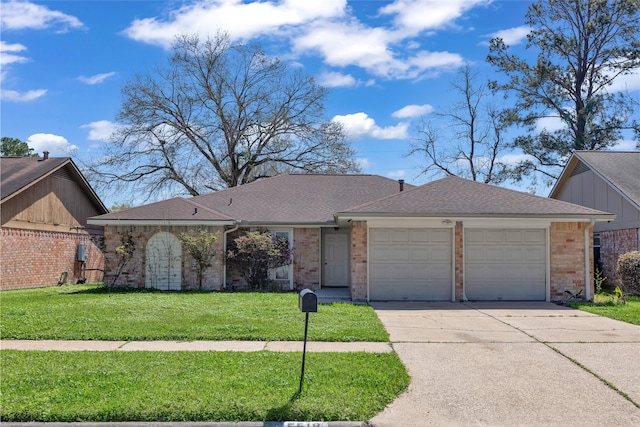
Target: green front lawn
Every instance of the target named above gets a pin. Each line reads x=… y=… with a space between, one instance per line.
x=81 y=312
x=196 y=386
x=605 y=305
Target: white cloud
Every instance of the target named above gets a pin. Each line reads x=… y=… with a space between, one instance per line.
x=360 y=125
x=241 y=20
x=363 y=163
x=550 y=124
x=628 y=82
x=342 y=44
x=334 y=79
x=625 y=145
x=415 y=16
x=321 y=27
x=514 y=159
x=396 y=174
x=512 y=36
x=101 y=130
x=18 y=15
x=30 y=95
x=97 y=78
x=54 y=144
x=411 y=111
x=8 y=53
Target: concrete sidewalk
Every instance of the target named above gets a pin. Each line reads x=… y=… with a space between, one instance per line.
x=282 y=346
x=507 y=364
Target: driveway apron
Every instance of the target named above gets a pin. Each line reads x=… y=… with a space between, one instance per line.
x=512 y=364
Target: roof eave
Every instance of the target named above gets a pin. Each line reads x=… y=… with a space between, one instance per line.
x=557 y=217
x=164 y=222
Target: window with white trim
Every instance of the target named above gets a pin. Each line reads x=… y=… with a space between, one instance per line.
x=283 y=273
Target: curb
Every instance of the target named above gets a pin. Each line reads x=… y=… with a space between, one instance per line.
x=190 y=424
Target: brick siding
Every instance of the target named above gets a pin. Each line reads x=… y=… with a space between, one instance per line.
x=133 y=272
x=33 y=258
x=359 y=260
x=567 y=259
x=612 y=245
x=306 y=258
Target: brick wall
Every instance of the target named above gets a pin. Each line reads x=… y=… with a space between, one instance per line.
x=33 y=258
x=359 y=260
x=132 y=273
x=612 y=245
x=566 y=244
x=306 y=258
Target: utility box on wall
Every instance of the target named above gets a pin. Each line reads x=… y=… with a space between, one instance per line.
x=81 y=253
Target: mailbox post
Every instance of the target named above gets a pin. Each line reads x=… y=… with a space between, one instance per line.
x=308 y=303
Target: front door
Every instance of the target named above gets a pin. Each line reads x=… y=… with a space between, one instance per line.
x=336 y=260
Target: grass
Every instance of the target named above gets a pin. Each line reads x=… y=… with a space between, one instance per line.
x=607 y=305
x=89 y=312
x=196 y=386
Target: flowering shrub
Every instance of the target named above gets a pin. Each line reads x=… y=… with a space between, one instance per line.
x=255 y=253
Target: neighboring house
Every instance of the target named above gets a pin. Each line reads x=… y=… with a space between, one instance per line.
x=45 y=238
x=447 y=240
x=607 y=181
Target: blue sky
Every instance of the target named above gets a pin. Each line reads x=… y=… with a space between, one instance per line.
x=389 y=64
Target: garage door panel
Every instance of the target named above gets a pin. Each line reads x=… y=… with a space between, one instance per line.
x=400 y=236
x=410 y=264
x=505 y=264
x=377 y=235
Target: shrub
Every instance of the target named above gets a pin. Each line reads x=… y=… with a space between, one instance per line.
x=255 y=254
x=201 y=246
x=628 y=270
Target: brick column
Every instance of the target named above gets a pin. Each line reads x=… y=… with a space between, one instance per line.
x=359 y=261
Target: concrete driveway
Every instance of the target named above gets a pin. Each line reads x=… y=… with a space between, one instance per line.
x=512 y=364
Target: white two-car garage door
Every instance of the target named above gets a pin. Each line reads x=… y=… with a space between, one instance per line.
x=505 y=264
x=410 y=264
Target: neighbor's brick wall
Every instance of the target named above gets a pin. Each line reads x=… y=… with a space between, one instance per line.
x=612 y=245
x=306 y=258
x=33 y=258
x=567 y=258
x=133 y=273
x=359 y=260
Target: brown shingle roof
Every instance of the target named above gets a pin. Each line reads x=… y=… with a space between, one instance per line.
x=283 y=199
x=19 y=173
x=298 y=199
x=176 y=209
x=461 y=197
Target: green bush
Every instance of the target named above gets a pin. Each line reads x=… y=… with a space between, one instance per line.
x=628 y=270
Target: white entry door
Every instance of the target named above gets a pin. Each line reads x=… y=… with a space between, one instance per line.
x=164 y=262
x=336 y=260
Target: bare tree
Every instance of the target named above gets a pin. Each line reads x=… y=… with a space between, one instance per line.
x=466 y=140
x=582 y=47
x=219 y=115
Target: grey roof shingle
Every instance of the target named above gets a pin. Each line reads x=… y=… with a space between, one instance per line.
x=620 y=168
x=283 y=199
x=461 y=197
x=176 y=209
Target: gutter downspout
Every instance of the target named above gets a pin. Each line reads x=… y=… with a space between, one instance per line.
x=224 y=256
x=587 y=263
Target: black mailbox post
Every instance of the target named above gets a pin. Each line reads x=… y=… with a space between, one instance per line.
x=308 y=303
